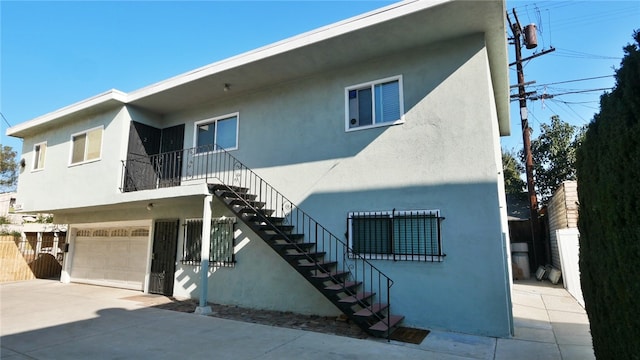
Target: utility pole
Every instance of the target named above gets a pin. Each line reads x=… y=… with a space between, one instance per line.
x=516 y=30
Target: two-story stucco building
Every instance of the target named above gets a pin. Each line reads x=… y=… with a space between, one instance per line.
x=355 y=168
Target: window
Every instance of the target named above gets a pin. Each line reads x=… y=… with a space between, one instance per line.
x=221 y=249
x=83 y=233
x=39 y=151
x=86 y=146
x=101 y=233
x=374 y=104
x=396 y=235
x=213 y=134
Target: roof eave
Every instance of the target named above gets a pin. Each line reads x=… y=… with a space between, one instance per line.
x=495 y=41
x=105 y=99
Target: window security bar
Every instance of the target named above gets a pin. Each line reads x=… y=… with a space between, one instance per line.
x=397 y=235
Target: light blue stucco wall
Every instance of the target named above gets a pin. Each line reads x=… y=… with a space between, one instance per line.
x=445 y=156
x=93 y=182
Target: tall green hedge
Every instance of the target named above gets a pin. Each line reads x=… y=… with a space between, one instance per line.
x=608 y=168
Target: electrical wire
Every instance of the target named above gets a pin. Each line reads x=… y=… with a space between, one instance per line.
x=572 y=110
x=5 y=119
x=581 y=55
x=576 y=80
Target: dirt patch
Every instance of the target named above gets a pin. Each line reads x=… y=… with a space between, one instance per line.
x=323 y=324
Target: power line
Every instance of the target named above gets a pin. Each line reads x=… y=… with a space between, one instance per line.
x=5 y=119
x=572 y=110
x=576 y=80
x=550 y=96
x=582 y=55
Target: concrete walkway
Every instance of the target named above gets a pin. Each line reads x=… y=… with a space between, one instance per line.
x=549 y=324
x=44 y=319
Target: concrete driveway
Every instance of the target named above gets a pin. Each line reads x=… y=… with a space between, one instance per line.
x=45 y=319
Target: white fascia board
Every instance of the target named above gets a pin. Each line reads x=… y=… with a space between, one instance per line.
x=314 y=36
x=105 y=97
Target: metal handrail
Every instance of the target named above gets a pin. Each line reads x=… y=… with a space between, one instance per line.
x=211 y=162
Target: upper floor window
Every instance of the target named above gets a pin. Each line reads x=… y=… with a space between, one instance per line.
x=375 y=103
x=86 y=146
x=396 y=235
x=216 y=133
x=39 y=151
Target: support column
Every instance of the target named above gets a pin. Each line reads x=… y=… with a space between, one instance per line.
x=203 y=308
x=65 y=275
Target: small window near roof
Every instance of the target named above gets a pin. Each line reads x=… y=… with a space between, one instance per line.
x=373 y=104
x=86 y=146
x=39 y=151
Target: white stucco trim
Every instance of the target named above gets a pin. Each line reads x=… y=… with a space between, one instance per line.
x=107 y=98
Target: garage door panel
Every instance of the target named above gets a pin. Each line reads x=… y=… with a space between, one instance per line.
x=117 y=261
x=139 y=247
x=119 y=246
x=115 y=275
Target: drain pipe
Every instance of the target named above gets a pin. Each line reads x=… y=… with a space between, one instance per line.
x=204 y=308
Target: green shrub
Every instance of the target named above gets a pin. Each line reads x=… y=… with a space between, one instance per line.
x=608 y=170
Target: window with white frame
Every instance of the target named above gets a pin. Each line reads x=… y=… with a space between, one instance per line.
x=376 y=103
x=217 y=133
x=396 y=235
x=39 y=152
x=221 y=252
x=86 y=146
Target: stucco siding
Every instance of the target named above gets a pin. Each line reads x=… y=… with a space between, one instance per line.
x=443 y=157
x=89 y=183
x=290 y=101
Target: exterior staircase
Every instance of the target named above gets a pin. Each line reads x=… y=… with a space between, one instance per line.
x=352 y=283
x=349 y=281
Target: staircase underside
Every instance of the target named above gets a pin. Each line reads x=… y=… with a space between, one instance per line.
x=337 y=285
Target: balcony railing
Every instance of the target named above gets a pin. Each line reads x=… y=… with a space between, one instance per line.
x=144 y=172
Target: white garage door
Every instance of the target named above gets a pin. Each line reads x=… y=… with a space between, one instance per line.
x=111 y=256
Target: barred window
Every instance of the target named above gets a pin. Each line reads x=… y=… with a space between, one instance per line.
x=222 y=242
x=396 y=235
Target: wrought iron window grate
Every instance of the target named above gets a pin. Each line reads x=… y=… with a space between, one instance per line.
x=221 y=252
x=396 y=235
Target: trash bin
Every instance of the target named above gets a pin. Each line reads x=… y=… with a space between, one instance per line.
x=520 y=260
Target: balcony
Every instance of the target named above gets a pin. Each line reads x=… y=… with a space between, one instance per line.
x=143 y=172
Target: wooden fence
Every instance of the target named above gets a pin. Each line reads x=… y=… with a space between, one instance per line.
x=31 y=257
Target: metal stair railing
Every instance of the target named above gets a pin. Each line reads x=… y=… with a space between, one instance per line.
x=213 y=163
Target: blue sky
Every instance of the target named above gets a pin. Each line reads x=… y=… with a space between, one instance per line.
x=53 y=54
